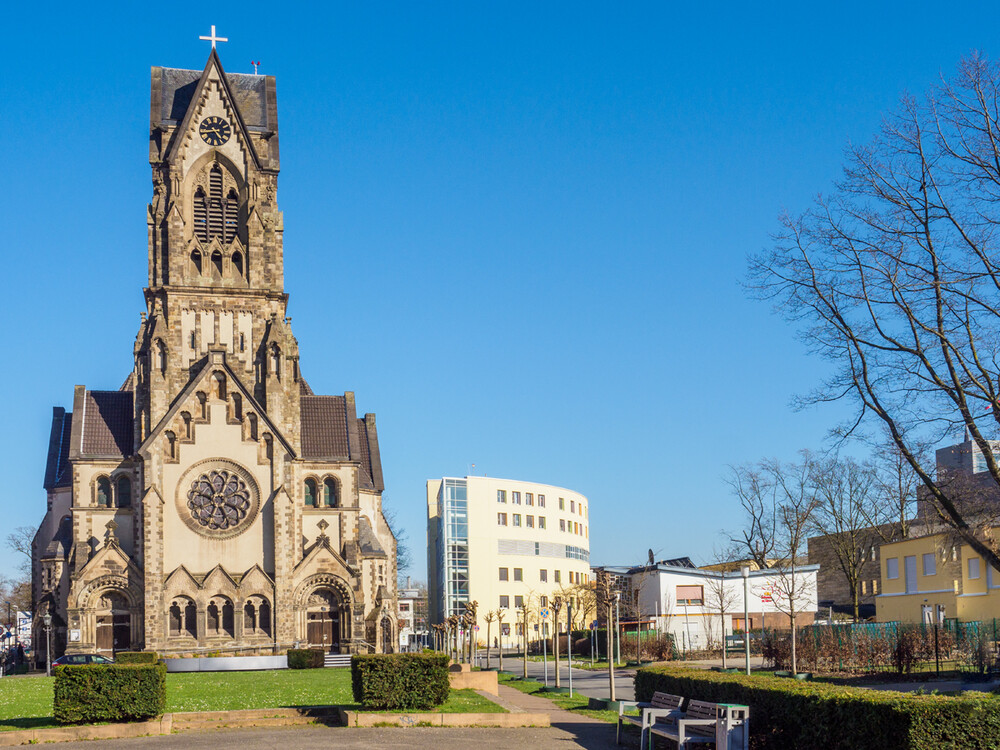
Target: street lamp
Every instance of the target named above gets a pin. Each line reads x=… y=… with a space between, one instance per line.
x=745 y=571
x=618 y=625
x=47 y=621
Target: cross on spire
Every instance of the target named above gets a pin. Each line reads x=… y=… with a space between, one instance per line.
x=213 y=38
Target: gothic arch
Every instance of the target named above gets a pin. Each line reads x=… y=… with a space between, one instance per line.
x=323 y=580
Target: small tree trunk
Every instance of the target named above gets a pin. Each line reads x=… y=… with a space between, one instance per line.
x=611 y=657
x=795 y=664
x=489 y=624
x=725 y=664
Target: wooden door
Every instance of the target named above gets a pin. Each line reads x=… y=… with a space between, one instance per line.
x=122 y=630
x=323 y=631
x=105 y=635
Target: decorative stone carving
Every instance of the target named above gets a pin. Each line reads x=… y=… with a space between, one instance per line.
x=218 y=498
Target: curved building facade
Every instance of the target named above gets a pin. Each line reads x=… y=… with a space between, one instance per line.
x=503 y=543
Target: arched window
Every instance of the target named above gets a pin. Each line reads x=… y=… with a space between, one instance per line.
x=310 y=493
x=200 y=217
x=264 y=617
x=161 y=356
x=176 y=619
x=212 y=619
x=190 y=620
x=103 y=492
x=228 y=619
x=196 y=260
x=276 y=360
x=124 y=492
x=215 y=216
x=238 y=263
x=252 y=423
x=171 y=444
x=237 y=407
x=186 y=419
x=219 y=385
x=231 y=208
x=217 y=262
x=331 y=497
x=249 y=618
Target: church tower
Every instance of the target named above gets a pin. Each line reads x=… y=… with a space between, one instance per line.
x=214 y=502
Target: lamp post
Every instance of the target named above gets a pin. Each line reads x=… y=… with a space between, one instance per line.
x=569 y=643
x=745 y=571
x=556 y=606
x=47 y=621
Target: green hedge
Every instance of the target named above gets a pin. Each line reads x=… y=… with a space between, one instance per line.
x=137 y=657
x=305 y=658
x=400 y=681
x=788 y=713
x=90 y=693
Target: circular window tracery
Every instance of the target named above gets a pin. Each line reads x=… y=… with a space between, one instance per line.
x=219 y=500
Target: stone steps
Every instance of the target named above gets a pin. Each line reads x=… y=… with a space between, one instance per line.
x=337 y=660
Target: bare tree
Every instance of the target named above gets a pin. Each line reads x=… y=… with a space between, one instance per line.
x=19 y=540
x=757 y=493
x=897 y=484
x=783 y=493
x=721 y=598
x=895 y=279
x=850 y=514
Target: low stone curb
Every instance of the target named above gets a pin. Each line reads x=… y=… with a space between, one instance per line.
x=509 y=721
x=88 y=732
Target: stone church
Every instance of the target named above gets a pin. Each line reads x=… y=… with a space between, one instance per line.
x=214 y=502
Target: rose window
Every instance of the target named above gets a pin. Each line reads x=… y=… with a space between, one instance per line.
x=219 y=499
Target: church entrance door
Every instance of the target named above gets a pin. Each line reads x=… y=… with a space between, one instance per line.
x=114 y=625
x=324 y=630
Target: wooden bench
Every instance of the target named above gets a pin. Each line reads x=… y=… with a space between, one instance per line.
x=663 y=706
x=698 y=725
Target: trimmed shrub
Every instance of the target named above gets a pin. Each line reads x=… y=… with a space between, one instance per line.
x=400 y=681
x=820 y=716
x=305 y=658
x=137 y=657
x=89 y=693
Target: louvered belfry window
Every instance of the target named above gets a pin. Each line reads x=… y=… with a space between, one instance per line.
x=201 y=215
x=230 y=208
x=215 y=218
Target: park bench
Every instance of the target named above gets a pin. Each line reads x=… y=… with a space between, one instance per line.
x=706 y=723
x=663 y=706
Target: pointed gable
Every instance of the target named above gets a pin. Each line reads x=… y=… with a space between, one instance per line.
x=58 y=454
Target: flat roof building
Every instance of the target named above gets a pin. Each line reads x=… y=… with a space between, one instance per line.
x=503 y=543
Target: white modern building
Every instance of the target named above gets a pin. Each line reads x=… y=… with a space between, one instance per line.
x=413 y=628
x=503 y=543
x=689 y=602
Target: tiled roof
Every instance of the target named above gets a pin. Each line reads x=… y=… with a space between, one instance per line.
x=107 y=424
x=365 y=478
x=324 y=428
x=178 y=86
x=58 y=456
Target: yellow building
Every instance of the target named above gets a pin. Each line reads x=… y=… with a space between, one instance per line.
x=936 y=574
x=501 y=543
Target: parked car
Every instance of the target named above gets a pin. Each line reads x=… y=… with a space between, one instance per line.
x=81 y=659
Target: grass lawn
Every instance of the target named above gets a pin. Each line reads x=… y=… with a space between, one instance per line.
x=26 y=702
x=576 y=703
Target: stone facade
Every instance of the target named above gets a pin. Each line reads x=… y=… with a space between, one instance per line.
x=214 y=502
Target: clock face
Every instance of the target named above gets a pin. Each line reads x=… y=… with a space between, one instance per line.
x=214 y=131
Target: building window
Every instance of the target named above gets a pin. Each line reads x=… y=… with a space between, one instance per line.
x=874 y=587
x=541 y=522
x=501 y=519
x=501 y=496
x=543 y=601
x=517 y=519
x=541 y=501
x=518 y=601
x=515 y=497
x=690 y=595
x=973 y=567
x=864 y=588
x=530 y=521
x=562 y=504
x=930 y=564
x=892 y=568
x=310 y=493
x=103 y=492
x=543 y=576
x=558 y=576
x=504 y=602
x=954 y=553
x=529 y=499
x=331 y=497
x=562 y=524
x=124 y=492
x=504 y=574
x=576 y=527
x=518 y=574
x=572 y=506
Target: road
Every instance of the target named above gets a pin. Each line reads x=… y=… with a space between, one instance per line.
x=585 y=682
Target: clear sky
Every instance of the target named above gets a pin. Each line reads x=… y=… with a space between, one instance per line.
x=515 y=230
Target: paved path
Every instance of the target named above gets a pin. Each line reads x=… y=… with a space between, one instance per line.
x=585 y=682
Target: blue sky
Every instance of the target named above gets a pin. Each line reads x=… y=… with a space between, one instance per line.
x=515 y=230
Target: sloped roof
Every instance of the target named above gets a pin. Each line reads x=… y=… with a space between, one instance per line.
x=62 y=541
x=178 y=86
x=58 y=455
x=367 y=540
x=324 y=428
x=107 y=424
